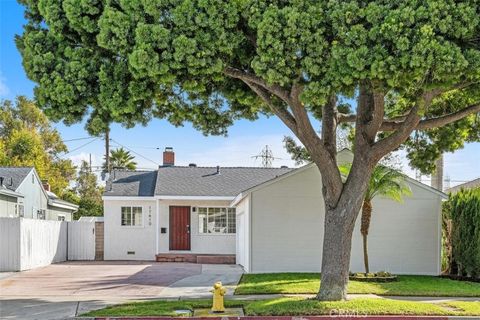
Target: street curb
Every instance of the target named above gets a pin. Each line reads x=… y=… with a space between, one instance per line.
x=343 y=317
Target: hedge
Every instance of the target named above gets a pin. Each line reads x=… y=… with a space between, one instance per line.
x=464 y=212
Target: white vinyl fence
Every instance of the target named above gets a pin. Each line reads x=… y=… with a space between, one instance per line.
x=81 y=240
x=31 y=243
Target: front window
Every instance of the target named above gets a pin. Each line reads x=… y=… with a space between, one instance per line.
x=132 y=216
x=19 y=210
x=216 y=220
x=41 y=214
x=61 y=218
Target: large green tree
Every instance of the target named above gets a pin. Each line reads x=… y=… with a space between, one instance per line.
x=413 y=67
x=87 y=193
x=28 y=139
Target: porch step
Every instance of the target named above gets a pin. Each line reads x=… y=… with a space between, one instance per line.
x=216 y=259
x=196 y=258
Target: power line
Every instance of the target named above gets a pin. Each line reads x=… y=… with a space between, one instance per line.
x=76 y=139
x=138 y=154
x=144 y=147
x=83 y=145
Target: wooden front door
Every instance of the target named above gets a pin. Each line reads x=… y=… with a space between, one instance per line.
x=179 y=228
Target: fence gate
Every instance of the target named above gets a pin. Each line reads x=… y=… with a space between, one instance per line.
x=99 y=238
x=81 y=240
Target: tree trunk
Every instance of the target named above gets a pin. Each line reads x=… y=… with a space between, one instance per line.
x=337 y=244
x=365 y=253
x=366 y=217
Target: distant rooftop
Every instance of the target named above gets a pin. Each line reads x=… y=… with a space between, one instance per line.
x=14 y=176
x=467 y=185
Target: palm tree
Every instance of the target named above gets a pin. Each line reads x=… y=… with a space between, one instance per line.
x=121 y=159
x=385 y=182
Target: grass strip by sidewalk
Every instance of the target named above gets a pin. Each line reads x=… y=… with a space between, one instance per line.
x=308 y=283
x=296 y=307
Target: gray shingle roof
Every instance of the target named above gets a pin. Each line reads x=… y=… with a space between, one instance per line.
x=14 y=176
x=189 y=181
x=204 y=181
x=131 y=183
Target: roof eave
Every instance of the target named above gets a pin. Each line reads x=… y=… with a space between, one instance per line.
x=62 y=204
x=11 y=193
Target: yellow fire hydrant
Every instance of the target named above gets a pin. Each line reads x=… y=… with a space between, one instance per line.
x=218 y=293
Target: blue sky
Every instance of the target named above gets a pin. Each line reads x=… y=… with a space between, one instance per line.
x=245 y=138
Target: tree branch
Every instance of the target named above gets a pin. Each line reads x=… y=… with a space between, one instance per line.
x=394 y=123
x=281 y=112
x=331 y=177
x=329 y=126
x=431 y=123
x=251 y=78
x=394 y=140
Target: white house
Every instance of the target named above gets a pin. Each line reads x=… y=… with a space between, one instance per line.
x=22 y=194
x=265 y=219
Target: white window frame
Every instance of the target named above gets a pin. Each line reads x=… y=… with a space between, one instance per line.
x=201 y=233
x=19 y=210
x=131 y=212
x=41 y=212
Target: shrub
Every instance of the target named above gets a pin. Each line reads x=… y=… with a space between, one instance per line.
x=464 y=212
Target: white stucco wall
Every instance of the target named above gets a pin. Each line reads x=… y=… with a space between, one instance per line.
x=287 y=229
x=200 y=243
x=119 y=240
x=243 y=234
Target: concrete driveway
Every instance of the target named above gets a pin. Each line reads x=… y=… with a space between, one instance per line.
x=63 y=290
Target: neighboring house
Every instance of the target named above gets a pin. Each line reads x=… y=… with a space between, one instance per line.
x=467 y=185
x=265 y=219
x=22 y=194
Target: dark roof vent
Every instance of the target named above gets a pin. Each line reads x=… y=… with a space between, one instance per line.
x=192 y=165
x=284 y=167
x=218 y=170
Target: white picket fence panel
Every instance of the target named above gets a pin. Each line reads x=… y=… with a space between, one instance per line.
x=31 y=243
x=81 y=240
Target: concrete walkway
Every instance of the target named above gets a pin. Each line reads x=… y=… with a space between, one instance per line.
x=199 y=286
x=64 y=290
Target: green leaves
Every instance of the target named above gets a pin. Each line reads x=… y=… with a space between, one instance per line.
x=124 y=61
x=464 y=210
x=27 y=139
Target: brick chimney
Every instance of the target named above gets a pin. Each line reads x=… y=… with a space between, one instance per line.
x=46 y=185
x=168 y=157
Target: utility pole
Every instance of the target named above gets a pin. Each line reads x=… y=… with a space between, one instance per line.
x=267 y=157
x=107 y=150
x=437 y=177
x=90 y=162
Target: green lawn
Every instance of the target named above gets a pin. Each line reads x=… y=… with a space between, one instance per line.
x=291 y=283
x=296 y=307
